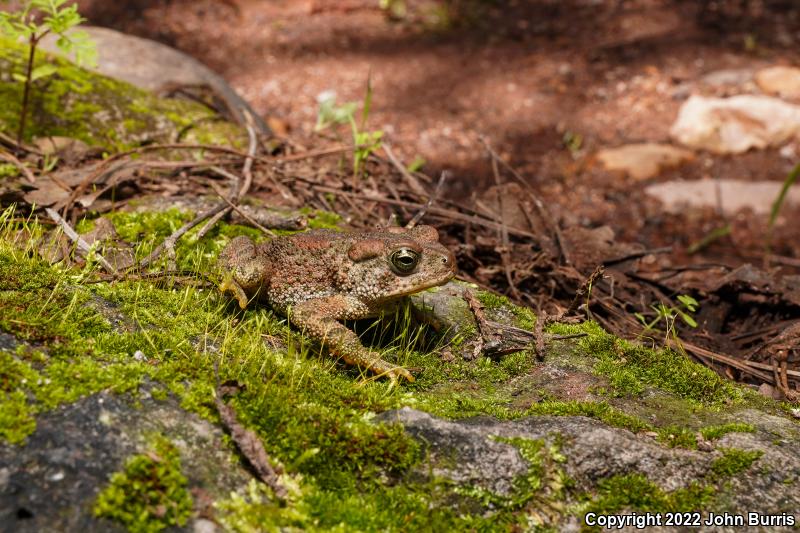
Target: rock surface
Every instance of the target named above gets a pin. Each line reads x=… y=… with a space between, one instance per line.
x=643 y=161
x=157 y=67
x=467 y=452
x=779 y=80
x=730 y=195
x=50 y=483
x=100 y=111
x=736 y=124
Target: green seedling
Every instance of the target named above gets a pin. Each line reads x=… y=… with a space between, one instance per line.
x=777 y=205
x=668 y=314
x=365 y=142
x=31 y=23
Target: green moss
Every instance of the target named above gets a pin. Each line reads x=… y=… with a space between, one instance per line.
x=493 y=302
x=734 y=461
x=677 y=437
x=101 y=111
x=599 y=410
x=631 y=368
x=150 y=494
x=634 y=492
x=716 y=432
x=540 y=493
x=322 y=219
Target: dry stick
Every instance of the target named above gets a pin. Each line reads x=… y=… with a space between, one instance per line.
x=421 y=213
x=637 y=255
x=169 y=242
x=247 y=440
x=237 y=195
x=582 y=291
x=483 y=325
x=764 y=366
x=100 y=170
x=311 y=154
x=79 y=242
x=446 y=213
x=730 y=361
x=412 y=181
x=133 y=166
x=8 y=141
x=785 y=261
x=17 y=163
x=244 y=215
x=504 y=242
x=538 y=332
x=540 y=208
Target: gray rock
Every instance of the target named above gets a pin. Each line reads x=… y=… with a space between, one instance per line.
x=447 y=311
x=467 y=452
x=8 y=342
x=157 y=67
x=50 y=482
x=463 y=453
x=594 y=450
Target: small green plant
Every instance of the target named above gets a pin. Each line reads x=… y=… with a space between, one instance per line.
x=778 y=204
x=31 y=23
x=573 y=142
x=395 y=9
x=150 y=494
x=668 y=315
x=365 y=142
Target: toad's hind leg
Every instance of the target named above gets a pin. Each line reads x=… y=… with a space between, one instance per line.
x=319 y=318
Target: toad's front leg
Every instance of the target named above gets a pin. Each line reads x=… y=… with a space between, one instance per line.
x=320 y=319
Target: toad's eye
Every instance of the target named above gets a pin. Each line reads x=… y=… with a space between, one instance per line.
x=404 y=260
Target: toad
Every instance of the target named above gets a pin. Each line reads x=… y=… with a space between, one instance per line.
x=320 y=277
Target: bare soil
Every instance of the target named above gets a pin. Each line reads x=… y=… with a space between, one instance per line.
x=526 y=75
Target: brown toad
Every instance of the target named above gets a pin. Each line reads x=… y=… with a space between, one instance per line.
x=320 y=277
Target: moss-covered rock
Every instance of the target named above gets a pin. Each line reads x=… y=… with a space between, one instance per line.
x=101 y=111
x=600 y=425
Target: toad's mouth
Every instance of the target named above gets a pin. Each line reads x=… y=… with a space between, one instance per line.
x=430 y=283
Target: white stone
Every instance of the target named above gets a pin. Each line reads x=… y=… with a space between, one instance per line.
x=643 y=161
x=736 y=124
x=781 y=81
x=733 y=195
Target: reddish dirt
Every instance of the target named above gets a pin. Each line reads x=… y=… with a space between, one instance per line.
x=522 y=74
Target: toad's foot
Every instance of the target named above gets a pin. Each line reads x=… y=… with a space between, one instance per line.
x=319 y=319
x=229 y=285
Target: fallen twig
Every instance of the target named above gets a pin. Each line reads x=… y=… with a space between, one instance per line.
x=538 y=332
x=412 y=181
x=239 y=188
x=244 y=215
x=447 y=213
x=544 y=213
x=169 y=242
x=248 y=443
x=79 y=242
x=421 y=213
x=583 y=292
x=505 y=244
x=9 y=157
x=637 y=255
